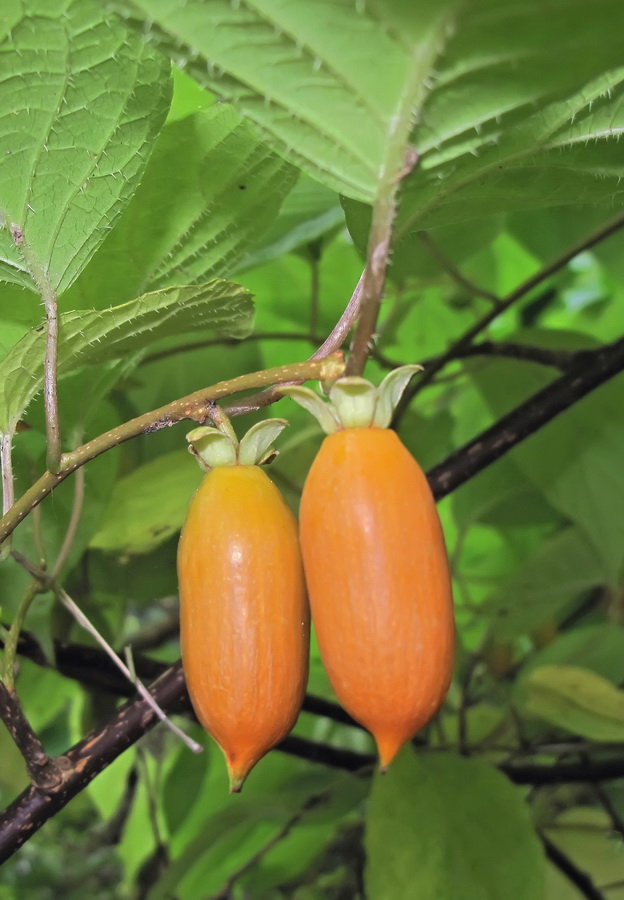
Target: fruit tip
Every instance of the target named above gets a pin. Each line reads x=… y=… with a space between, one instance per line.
x=236 y=783
x=388 y=746
x=237 y=775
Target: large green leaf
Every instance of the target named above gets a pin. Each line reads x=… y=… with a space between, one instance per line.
x=510 y=118
x=309 y=212
x=91 y=336
x=553 y=576
x=325 y=81
x=444 y=827
x=575 y=699
x=576 y=459
x=411 y=257
x=83 y=99
x=518 y=120
x=149 y=505
x=211 y=188
x=599 y=648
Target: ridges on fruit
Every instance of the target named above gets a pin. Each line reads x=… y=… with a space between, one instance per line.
x=376 y=565
x=243 y=610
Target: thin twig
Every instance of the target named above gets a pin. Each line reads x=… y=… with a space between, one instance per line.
x=152 y=805
x=579 y=879
x=558 y=359
x=80 y=617
x=617 y=823
x=518 y=293
x=43 y=580
x=462 y=713
x=311 y=803
x=445 y=263
x=74 y=522
x=12 y=637
x=196 y=406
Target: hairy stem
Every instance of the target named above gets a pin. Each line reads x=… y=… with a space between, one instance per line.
x=50 y=301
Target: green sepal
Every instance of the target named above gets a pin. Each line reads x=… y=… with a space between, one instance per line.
x=212 y=447
x=354 y=400
x=314 y=404
x=390 y=392
x=255 y=447
x=220 y=447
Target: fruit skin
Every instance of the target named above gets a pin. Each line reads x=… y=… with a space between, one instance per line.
x=244 y=615
x=379 y=583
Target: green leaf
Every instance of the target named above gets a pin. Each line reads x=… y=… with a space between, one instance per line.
x=91 y=336
x=324 y=85
x=83 y=100
x=517 y=120
x=411 y=257
x=560 y=569
x=211 y=188
x=577 y=700
x=509 y=119
x=309 y=212
x=585 y=835
x=447 y=827
x=574 y=460
x=599 y=648
x=149 y=505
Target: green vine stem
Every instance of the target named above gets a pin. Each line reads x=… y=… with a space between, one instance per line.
x=197 y=406
x=13 y=633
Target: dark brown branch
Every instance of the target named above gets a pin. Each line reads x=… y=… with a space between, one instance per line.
x=579 y=879
x=565 y=773
x=44 y=771
x=87 y=759
x=93 y=668
x=590 y=370
x=93 y=754
x=558 y=359
x=326 y=755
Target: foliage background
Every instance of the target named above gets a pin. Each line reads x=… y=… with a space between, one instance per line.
x=257 y=162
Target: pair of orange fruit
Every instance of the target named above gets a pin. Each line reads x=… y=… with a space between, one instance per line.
x=369 y=549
